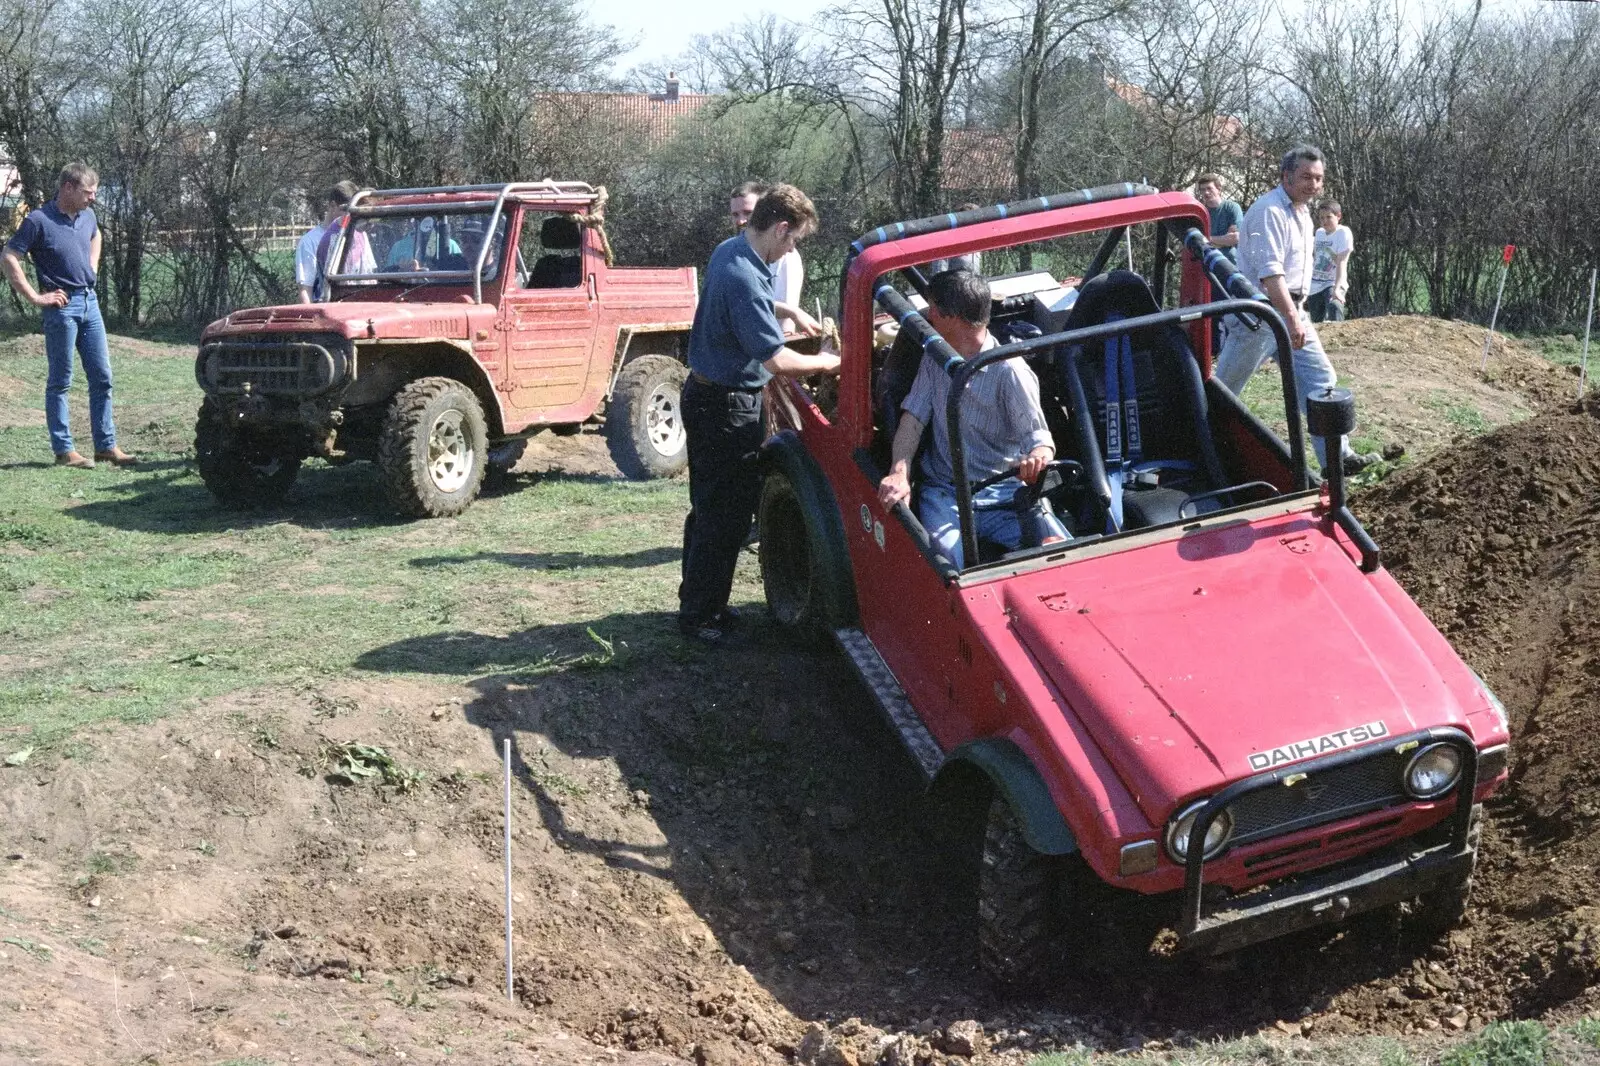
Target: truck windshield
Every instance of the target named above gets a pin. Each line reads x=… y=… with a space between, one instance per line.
x=421 y=244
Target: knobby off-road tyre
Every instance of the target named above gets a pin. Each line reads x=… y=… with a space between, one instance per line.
x=644 y=420
x=805 y=564
x=433 y=449
x=1436 y=913
x=1018 y=890
x=239 y=471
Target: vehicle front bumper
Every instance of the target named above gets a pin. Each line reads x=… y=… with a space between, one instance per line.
x=1328 y=896
x=1320 y=897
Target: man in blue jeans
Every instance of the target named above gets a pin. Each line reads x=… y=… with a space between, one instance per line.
x=63 y=239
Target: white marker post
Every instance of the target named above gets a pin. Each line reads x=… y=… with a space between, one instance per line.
x=1505 y=268
x=1583 y=369
x=507 y=750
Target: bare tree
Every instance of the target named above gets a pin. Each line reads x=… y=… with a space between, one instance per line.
x=147 y=59
x=35 y=77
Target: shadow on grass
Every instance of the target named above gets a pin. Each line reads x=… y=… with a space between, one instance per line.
x=164 y=498
x=555 y=560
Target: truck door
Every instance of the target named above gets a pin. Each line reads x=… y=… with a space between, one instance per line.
x=548 y=314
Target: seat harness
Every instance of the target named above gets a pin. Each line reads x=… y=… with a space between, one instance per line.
x=1122 y=416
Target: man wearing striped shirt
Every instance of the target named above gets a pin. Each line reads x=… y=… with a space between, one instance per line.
x=1002 y=426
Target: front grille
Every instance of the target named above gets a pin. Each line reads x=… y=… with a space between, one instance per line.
x=273 y=366
x=1340 y=792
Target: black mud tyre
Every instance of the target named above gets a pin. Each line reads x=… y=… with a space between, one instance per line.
x=1435 y=913
x=240 y=471
x=644 y=420
x=805 y=565
x=1018 y=897
x=433 y=449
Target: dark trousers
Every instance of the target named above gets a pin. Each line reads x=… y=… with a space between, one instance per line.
x=1322 y=307
x=725 y=428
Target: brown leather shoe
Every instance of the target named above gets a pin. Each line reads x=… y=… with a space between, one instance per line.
x=74 y=459
x=116 y=456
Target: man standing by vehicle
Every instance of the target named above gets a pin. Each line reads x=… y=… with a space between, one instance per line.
x=1003 y=428
x=735 y=348
x=1275 y=249
x=309 y=271
x=1226 y=215
x=1330 y=270
x=63 y=239
x=788 y=277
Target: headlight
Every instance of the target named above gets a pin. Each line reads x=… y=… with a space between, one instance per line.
x=1433 y=771
x=1217 y=836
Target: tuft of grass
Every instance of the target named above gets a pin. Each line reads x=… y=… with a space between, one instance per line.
x=1586 y=1031
x=353 y=763
x=1504 y=1044
x=39 y=951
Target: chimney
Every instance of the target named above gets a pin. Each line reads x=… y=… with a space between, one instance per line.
x=672 y=85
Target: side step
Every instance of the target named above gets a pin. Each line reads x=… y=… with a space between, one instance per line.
x=891 y=699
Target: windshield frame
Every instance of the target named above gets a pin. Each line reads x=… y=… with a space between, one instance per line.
x=495 y=225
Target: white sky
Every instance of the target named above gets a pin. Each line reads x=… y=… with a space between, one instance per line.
x=663 y=27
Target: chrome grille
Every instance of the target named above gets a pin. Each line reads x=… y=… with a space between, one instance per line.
x=1342 y=792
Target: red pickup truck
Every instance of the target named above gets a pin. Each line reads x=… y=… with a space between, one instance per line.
x=460 y=321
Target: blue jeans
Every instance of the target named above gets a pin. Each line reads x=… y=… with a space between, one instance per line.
x=1244 y=350
x=77 y=325
x=997 y=511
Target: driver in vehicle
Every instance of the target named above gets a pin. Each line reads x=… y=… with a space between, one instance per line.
x=1003 y=430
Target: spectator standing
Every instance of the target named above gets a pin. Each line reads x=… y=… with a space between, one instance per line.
x=1226 y=215
x=735 y=348
x=310 y=273
x=1330 y=268
x=1275 y=250
x=63 y=240
x=788 y=275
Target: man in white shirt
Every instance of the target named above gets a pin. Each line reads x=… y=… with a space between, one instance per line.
x=788 y=275
x=1275 y=250
x=308 y=273
x=1330 y=267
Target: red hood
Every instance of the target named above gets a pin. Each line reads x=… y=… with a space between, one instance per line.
x=1185 y=658
x=355 y=319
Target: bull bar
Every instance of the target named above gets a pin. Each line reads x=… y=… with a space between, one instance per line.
x=1304 y=902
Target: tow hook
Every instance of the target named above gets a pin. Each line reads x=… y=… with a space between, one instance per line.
x=1335 y=908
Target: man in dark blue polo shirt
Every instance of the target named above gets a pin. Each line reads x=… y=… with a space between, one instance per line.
x=63 y=240
x=735 y=349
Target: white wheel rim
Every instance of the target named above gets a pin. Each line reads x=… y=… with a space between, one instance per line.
x=664 y=421
x=450 y=457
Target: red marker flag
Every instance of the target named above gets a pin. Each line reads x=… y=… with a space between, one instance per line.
x=1510 y=251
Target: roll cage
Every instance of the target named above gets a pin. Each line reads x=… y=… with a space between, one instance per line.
x=456 y=199
x=1245 y=301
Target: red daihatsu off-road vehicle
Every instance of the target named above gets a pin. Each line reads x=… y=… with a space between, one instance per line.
x=461 y=321
x=1213 y=692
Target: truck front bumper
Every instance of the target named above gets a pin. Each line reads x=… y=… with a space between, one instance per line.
x=1324 y=896
x=1328 y=896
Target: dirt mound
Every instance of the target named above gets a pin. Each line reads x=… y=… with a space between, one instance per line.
x=1495 y=538
x=1417 y=380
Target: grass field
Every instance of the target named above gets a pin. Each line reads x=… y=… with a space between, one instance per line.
x=128 y=593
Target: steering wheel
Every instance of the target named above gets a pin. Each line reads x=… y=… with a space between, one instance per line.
x=1070 y=470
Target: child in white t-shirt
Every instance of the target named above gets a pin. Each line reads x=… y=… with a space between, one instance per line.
x=1330 y=262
